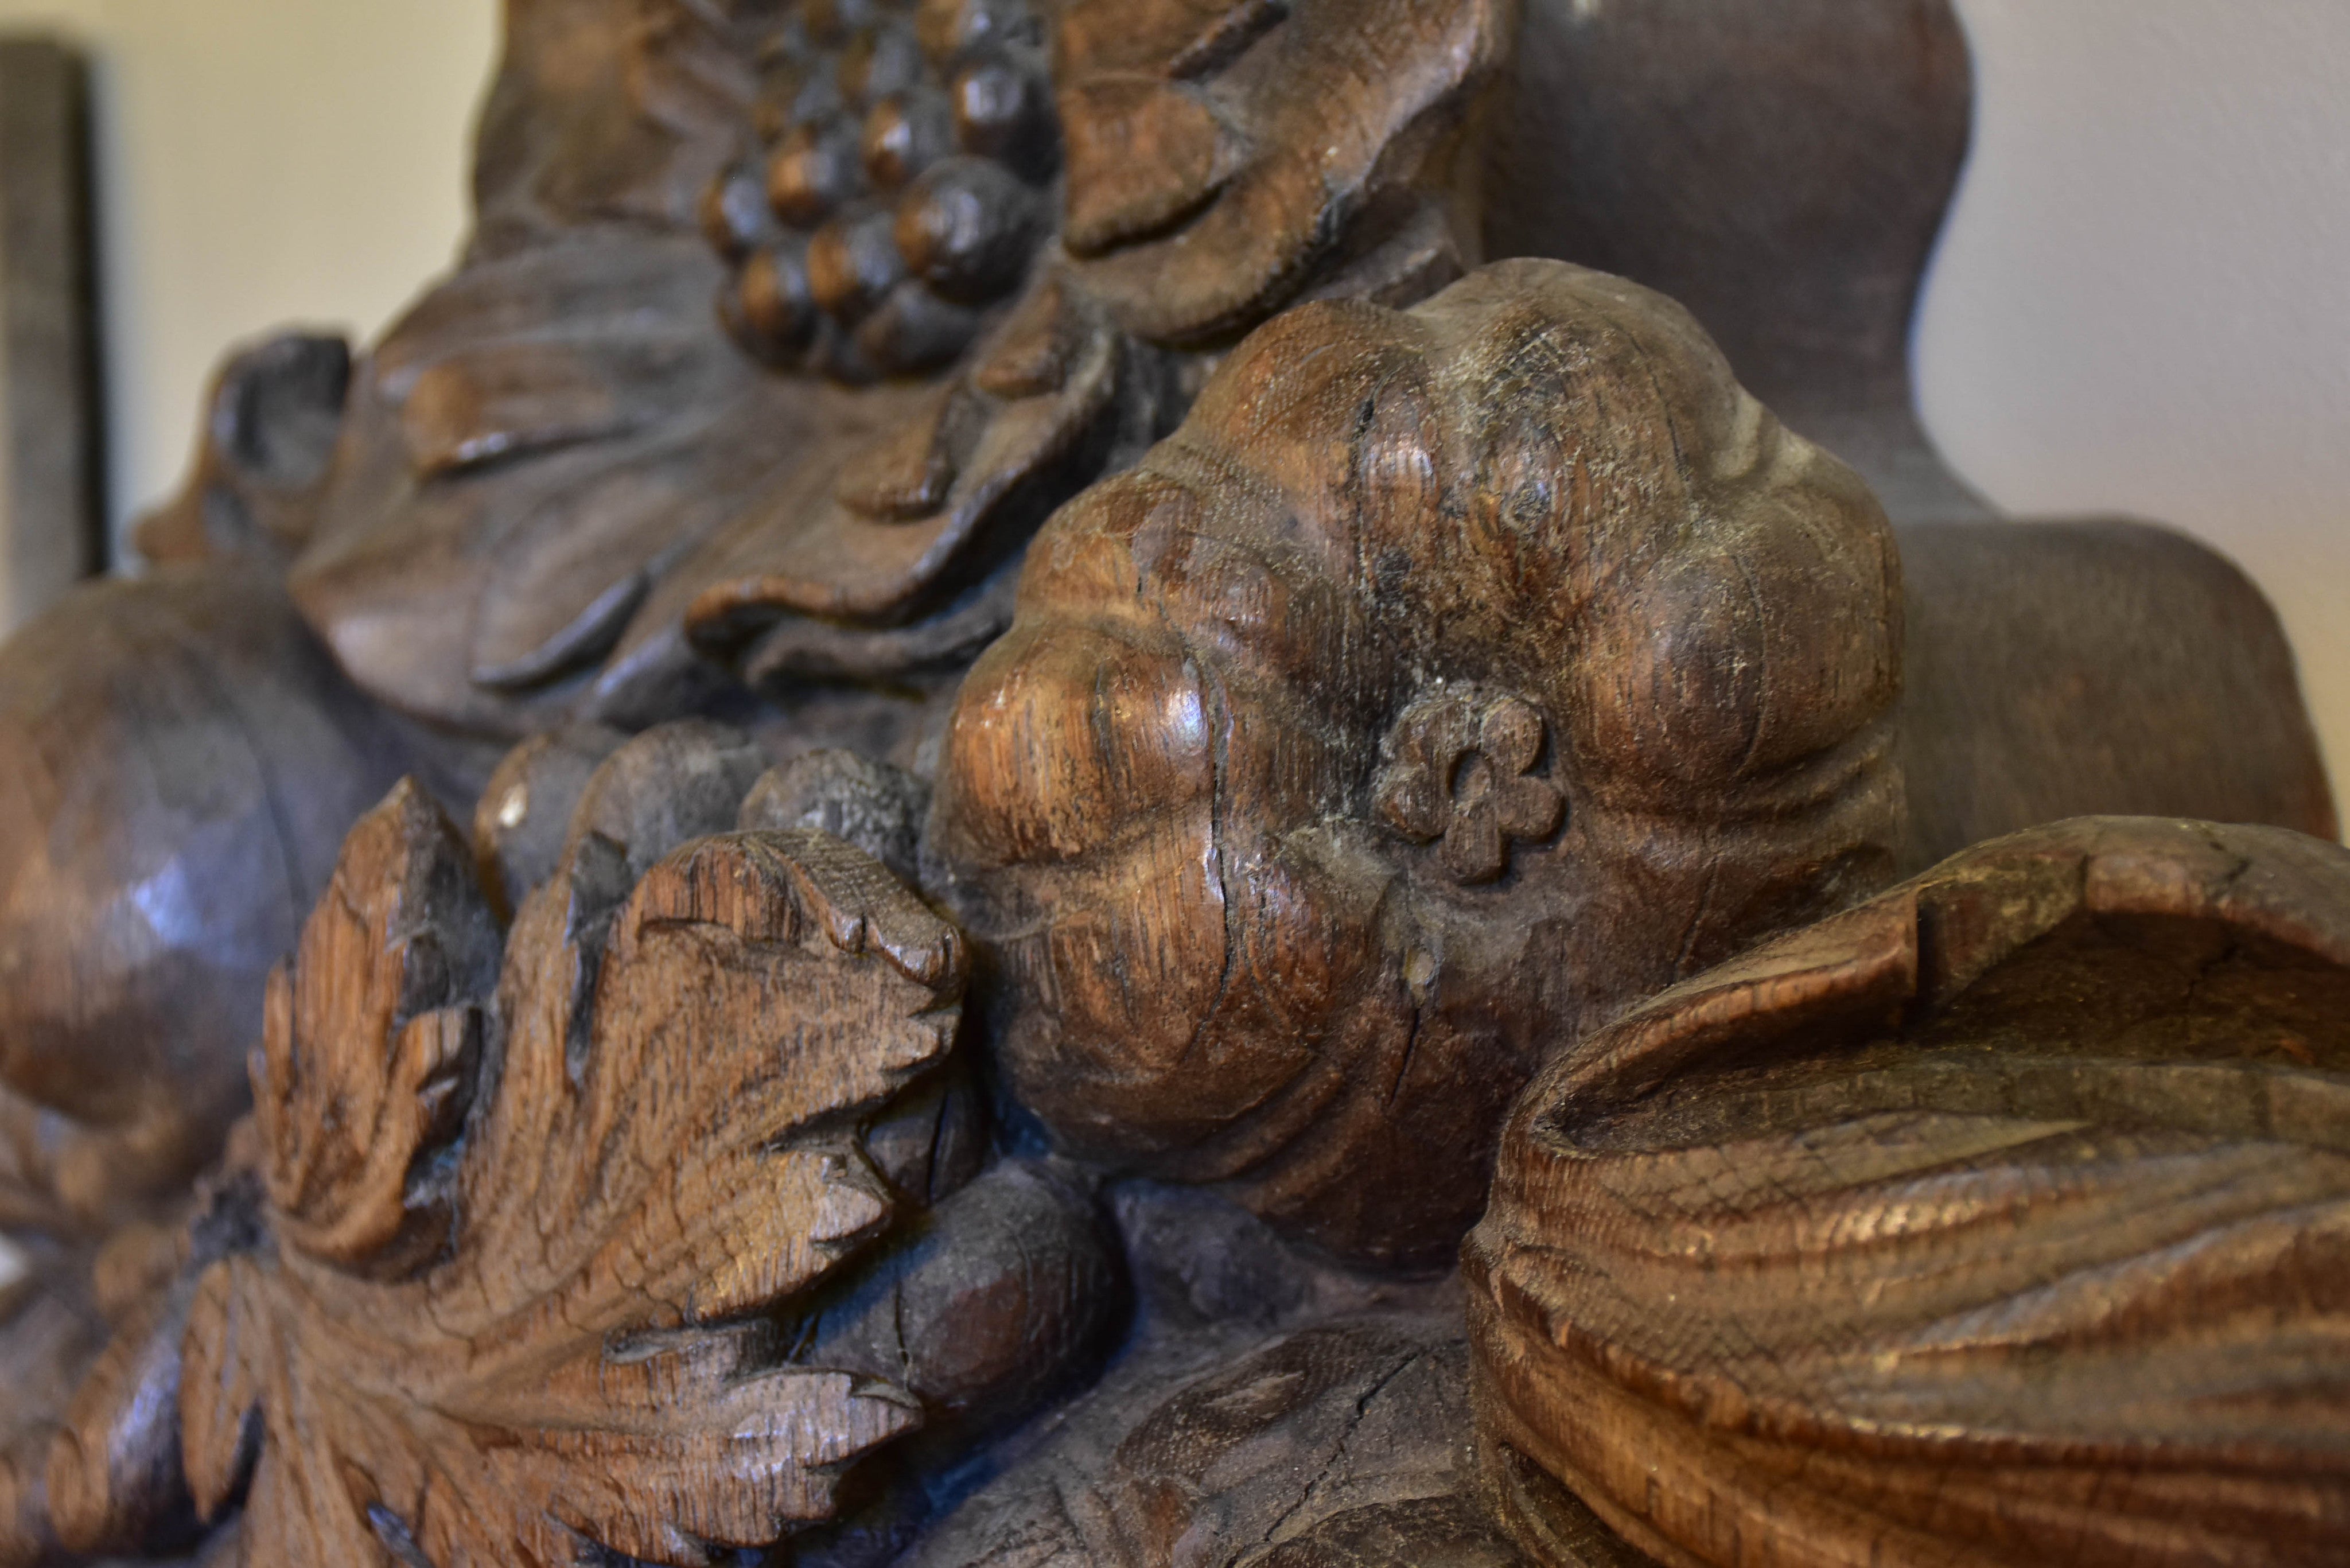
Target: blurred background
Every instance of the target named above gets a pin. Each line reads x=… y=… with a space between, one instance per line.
x=2142 y=304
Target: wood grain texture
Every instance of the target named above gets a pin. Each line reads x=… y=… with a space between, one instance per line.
x=50 y=1331
x=1785 y=172
x=1996 y=1221
x=1227 y=159
x=1339 y=1443
x=1267 y=1407
x=571 y=490
x=1407 y=684
x=1453 y=678
x=533 y=1341
x=1782 y=171
x=624 y=1232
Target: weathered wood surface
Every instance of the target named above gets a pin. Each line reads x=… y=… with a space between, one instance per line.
x=1467 y=667
x=1783 y=170
x=1453 y=678
x=1268 y=1408
x=1995 y=1222
x=559 y=489
x=627 y=1227
x=569 y=493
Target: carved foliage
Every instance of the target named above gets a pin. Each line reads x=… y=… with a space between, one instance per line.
x=1227 y=155
x=514 y=1233
x=1999 y=1222
x=564 y=494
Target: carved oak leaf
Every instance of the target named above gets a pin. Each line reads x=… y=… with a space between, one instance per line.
x=517 y=1236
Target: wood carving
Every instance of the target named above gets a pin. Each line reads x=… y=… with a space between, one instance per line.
x=1451 y=680
x=1422 y=669
x=1268 y=1408
x=1994 y=1222
x=568 y=492
x=500 y=1353
x=1783 y=170
x=559 y=495
x=271 y=420
x=1342 y=1445
x=624 y=1231
x=181 y=762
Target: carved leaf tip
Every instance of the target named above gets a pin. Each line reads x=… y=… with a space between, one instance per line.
x=660 y=1150
x=372 y=1038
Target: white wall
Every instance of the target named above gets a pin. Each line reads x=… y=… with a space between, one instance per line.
x=2142 y=303
x=260 y=162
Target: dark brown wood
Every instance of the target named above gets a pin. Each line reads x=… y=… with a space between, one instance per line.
x=592 y=1373
x=1782 y=170
x=551 y=1255
x=1340 y=1444
x=181 y=761
x=2057 y=669
x=1267 y=1407
x=1451 y=680
x=52 y=533
x=1993 y=1222
x=50 y=1331
x=570 y=492
x=272 y=416
x=1423 y=667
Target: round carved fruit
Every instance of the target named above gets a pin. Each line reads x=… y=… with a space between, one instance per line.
x=1381 y=731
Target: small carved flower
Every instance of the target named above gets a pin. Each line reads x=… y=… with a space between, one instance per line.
x=1460 y=768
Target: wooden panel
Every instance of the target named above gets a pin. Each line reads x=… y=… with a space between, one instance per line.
x=49 y=530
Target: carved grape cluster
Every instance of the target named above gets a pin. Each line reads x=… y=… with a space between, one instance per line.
x=898 y=186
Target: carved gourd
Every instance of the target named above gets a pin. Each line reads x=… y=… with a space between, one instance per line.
x=1451 y=680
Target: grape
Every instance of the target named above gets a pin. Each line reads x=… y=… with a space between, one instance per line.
x=900 y=187
x=853 y=261
x=905 y=134
x=816 y=169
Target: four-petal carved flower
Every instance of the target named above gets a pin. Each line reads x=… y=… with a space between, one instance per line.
x=1460 y=766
